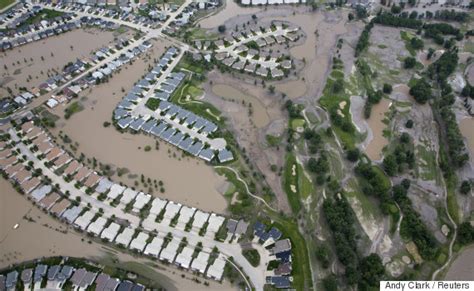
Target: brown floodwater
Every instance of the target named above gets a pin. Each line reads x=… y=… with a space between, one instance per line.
x=466 y=125
x=35 y=71
x=375 y=122
x=43 y=236
x=462 y=268
x=260 y=115
x=292 y=89
x=230 y=10
x=186 y=180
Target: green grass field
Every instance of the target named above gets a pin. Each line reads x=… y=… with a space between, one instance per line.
x=5 y=3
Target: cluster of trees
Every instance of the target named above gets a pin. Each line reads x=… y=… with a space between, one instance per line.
x=294 y=111
x=313 y=140
x=366 y=271
x=452 y=15
x=416 y=43
x=421 y=91
x=468 y=91
x=409 y=62
x=456 y=147
x=363 y=41
x=396 y=21
x=319 y=166
x=372 y=99
x=412 y=226
x=465 y=233
x=401 y=158
x=440 y=28
x=341 y=220
x=373 y=182
x=440 y=71
x=437 y=30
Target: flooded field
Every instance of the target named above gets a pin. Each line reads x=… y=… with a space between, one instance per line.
x=29 y=65
x=41 y=236
x=466 y=125
x=463 y=267
x=182 y=176
x=230 y=10
x=229 y=93
x=375 y=146
x=292 y=89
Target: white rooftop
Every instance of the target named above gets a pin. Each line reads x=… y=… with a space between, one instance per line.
x=200 y=219
x=84 y=220
x=172 y=209
x=185 y=215
x=125 y=237
x=216 y=270
x=200 y=262
x=110 y=232
x=140 y=201
x=115 y=191
x=185 y=257
x=169 y=252
x=128 y=195
x=215 y=222
x=157 y=205
x=139 y=242
x=97 y=226
x=154 y=247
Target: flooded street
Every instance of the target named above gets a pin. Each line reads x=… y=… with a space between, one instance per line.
x=375 y=146
x=182 y=176
x=259 y=113
x=29 y=65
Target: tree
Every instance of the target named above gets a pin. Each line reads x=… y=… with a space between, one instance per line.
x=330 y=283
x=353 y=155
x=465 y=187
x=322 y=254
x=409 y=62
x=409 y=123
x=416 y=43
x=396 y=9
x=271 y=88
x=390 y=165
x=405 y=138
x=387 y=88
x=465 y=233
x=350 y=16
x=371 y=271
x=221 y=28
x=421 y=91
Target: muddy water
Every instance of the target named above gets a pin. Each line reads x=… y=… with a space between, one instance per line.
x=83 y=43
x=259 y=116
x=292 y=89
x=52 y=238
x=375 y=146
x=183 y=177
x=463 y=267
x=230 y=10
x=321 y=35
x=466 y=125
